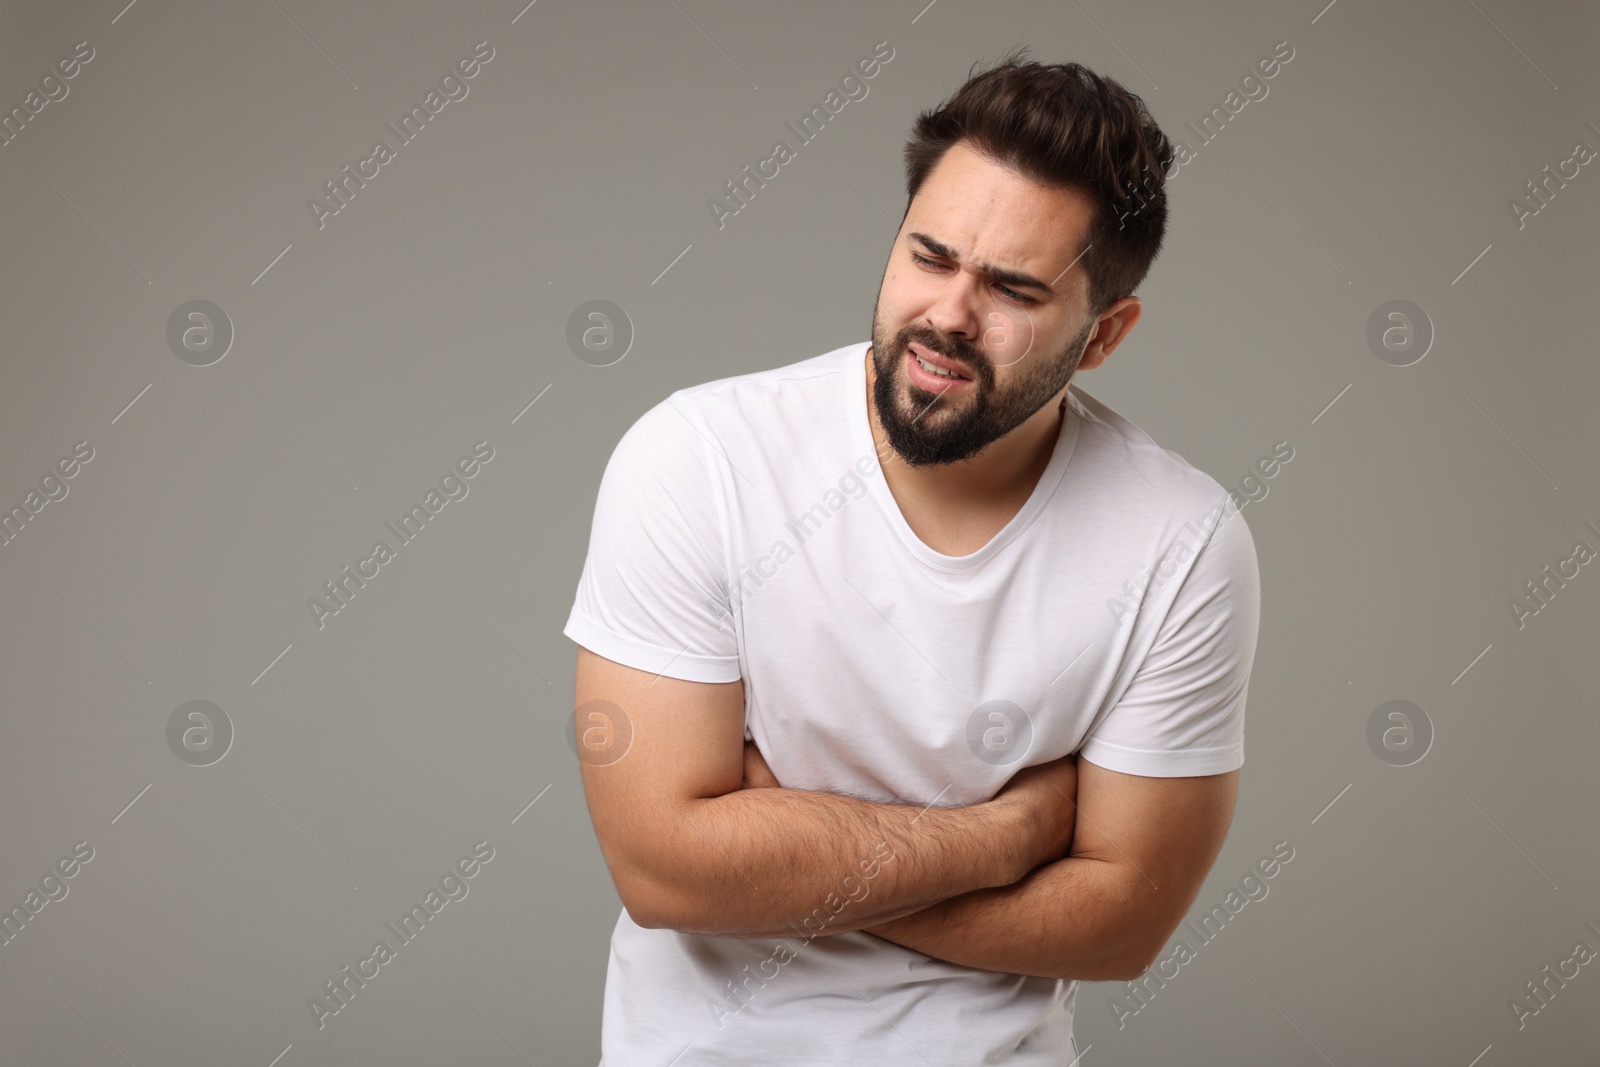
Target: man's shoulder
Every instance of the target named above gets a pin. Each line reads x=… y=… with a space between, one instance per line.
x=810 y=374
x=748 y=404
x=782 y=406
x=1134 y=464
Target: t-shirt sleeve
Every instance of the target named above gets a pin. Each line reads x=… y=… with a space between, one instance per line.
x=1183 y=712
x=654 y=592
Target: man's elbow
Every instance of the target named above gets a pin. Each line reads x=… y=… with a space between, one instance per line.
x=661 y=911
x=654 y=872
x=648 y=903
x=1140 y=955
x=655 y=902
x=647 y=920
x=1124 y=961
x=1109 y=969
x=645 y=896
x=1134 y=967
x=657 y=907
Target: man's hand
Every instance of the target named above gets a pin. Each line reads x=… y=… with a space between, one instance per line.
x=1047 y=795
x=1038 y=799
x=1043 y=799
x=1143 y=848
x=757 y=775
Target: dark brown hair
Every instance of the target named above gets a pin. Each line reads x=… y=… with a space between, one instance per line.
x=1063 y=125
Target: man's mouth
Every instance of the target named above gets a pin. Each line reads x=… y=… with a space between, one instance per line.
x=938 y=368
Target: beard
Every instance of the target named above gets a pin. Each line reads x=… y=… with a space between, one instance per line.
x=927 y=428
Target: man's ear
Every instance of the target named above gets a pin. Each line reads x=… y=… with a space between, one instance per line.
x=1112 y=326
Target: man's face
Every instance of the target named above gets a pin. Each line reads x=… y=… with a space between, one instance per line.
x=1017 y=344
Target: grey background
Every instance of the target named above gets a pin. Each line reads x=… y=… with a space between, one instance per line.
x=369 y=755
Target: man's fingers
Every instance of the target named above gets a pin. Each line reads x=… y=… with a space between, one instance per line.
x=757 y=775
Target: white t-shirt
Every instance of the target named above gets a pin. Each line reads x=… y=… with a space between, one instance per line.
x=743 y=529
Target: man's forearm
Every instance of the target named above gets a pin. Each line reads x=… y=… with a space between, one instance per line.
x=761 y=862
x=1067 y=919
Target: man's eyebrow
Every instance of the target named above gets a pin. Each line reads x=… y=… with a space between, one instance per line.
x=1013 y=278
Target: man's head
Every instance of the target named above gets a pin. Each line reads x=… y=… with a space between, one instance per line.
x=1035 y=208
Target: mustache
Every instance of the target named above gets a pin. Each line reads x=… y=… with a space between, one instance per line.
x=956 y=350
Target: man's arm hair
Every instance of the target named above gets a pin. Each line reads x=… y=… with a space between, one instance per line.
x=1141 y=850
x=690 y=850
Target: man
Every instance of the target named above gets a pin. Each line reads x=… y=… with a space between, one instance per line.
x=907 y=701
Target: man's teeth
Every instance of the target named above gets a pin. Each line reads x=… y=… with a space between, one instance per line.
x=931 y=369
